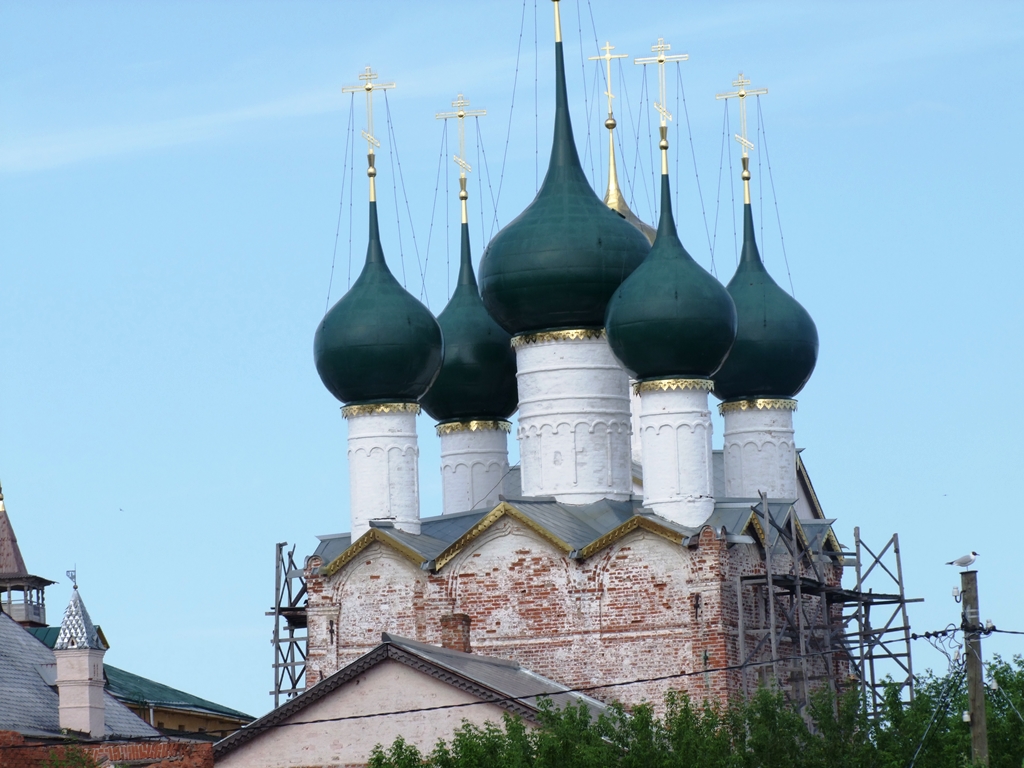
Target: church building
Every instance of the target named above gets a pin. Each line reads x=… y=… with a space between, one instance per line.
x=625 y=556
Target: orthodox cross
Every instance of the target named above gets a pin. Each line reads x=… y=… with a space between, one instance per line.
x=369 y=86
x=461 y=113
x=607 y=59
x=661 y=48
x=741 y=93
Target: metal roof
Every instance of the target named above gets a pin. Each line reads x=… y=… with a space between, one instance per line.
x=135 y=689
x=579 y=529
x=498 y=681
x=29 y=695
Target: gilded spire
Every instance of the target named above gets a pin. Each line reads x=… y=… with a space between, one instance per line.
x=369 y=86
x=741 y=93
x=613 y=198
x=461 y=113
x=662 y=49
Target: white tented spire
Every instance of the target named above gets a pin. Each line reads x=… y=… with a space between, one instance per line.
x=79 y=654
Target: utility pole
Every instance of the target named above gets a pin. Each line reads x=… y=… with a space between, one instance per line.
x=975 y=671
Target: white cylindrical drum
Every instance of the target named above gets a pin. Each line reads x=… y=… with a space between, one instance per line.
x=675 y=426
x=759 y=452
x=383 y=463
x=474 y=461
x=574 y=425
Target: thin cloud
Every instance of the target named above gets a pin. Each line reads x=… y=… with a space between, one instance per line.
x=63 y=149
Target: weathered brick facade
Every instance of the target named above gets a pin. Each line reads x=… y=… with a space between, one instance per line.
x=643 y=607
x=16 y=752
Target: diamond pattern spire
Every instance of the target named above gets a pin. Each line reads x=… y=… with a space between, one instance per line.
x=76 y=628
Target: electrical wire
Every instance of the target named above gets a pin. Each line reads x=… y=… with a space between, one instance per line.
x=508 y=131
x=405 y=196
x=341 y=200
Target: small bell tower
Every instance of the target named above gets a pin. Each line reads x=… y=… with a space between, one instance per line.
x=21 y=594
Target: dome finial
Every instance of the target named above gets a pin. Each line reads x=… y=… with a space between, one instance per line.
x=741 y=93
x=661 y=48
x=369 y=86
x=613 y=198
x=461 y=113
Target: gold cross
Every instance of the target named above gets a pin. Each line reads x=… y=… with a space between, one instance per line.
x=461 y=113
x=741 y=83
x=660 y=48
x=369 y=86
x=607 y=58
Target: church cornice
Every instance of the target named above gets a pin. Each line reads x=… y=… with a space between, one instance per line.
x=500 y=511
x=634 y=523
x=360 y=544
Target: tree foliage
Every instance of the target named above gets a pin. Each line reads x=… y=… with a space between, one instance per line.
x=763 y=732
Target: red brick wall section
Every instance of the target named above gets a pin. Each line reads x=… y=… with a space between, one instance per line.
x=642 y=608
x=15 y=752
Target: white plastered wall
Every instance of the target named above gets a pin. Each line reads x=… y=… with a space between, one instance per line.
x=473 y=463
x=760 y=453
x=676 y=428
x=574 y=421
x=387 y=687
x=383 y=462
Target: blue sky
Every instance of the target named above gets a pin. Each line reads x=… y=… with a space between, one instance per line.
x=170 y=177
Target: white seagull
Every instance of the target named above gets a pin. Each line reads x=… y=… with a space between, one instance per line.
x=964 y=562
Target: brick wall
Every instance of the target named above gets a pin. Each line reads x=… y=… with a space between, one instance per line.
x=16 y=752
x=642 y=608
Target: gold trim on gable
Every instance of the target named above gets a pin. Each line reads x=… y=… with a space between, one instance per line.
x=357 y=546
x=476 y=425
x=544 y=337
x=504 y=508
x=371 y=409
x=802 y=474
x=664 y=385
x=759 y=403
x=632 y=524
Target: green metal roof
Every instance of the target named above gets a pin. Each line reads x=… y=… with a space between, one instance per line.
x=378 y=343
x=776 y=341
x=670 y=317
x=478 y=375
x=135 y=689
x=557 y=263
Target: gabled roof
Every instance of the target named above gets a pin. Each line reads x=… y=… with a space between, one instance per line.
x=28 y=672
x=497 y=681
x=577 y=530
x=76 y=628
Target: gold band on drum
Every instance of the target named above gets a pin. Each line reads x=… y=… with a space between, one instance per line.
x=371 y=409
x=664 y=385
x=543 y=337
x=757 y=403
x=452 y=427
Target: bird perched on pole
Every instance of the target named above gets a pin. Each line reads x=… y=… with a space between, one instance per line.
x=964 y=562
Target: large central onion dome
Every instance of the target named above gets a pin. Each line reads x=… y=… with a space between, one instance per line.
x=776 y=341
x=378 y=344
x=557 y=264
x=478 y=376
x=670 y=318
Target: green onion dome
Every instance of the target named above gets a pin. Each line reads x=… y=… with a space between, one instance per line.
x=670 y=318
x=557 y=264
x=776 y=341
x=378 y=343
x=478 y=376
